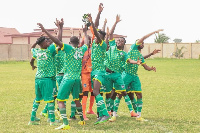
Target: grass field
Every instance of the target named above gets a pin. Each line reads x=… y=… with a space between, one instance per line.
x=171 y=100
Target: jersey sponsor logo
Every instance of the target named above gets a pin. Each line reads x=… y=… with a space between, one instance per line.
x=84 y=85
x=41 y=56
x=78 y=55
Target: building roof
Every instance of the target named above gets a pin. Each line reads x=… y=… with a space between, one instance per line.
x=7 y=31
x=38 y=33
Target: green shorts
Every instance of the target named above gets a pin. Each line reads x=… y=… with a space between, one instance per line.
x=116 y=80
x=69 y=86
x=132 y=83
x=98 y=75
x=59 y=79
x=44 y=89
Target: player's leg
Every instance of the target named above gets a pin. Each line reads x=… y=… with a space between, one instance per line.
x=138 y=92
x=36 y=103
x=97 y=82
x=133 y=101
x=108 y=88
x=75 y=94
x=63 y=95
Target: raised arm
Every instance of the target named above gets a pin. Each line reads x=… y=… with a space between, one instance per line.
x=107 y=38
x=59 y=24
x=148 y=35
x=149 y=68
x=104 y=25
x=113 y=28
x=98 y=15
x=152 y=53
x=54 y=39
x=94 y=29
x=86 y=40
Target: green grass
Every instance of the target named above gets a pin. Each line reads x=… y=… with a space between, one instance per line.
x=171 y=100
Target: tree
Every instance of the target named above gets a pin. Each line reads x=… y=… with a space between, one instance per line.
x=161 y=38
x=197 y=41
x=176 y=40
x=179 y=53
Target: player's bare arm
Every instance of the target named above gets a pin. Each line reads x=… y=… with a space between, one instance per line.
x=113 y=28
x=98 y=15
x=152 y=53
x=54 y=39
x=149 y=68
x=148 y=35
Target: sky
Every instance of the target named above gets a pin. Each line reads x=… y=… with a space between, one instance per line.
x=179 y=18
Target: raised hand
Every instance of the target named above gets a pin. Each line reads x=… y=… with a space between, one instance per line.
x=155 y=51
x=118 y=18
x=57 y=22
x=153 y=69
x=41 y=27
x=90 y=17
x=158 y=30
x=61 y=23
x=101 y=7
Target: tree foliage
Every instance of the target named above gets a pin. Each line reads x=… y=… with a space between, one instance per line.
x=179 y=52
x=161 y=38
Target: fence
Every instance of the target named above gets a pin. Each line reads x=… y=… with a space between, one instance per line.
x=191 y=50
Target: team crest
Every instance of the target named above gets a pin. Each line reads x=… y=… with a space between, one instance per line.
x=84 y=85
x=122 y=86
x=121 y=53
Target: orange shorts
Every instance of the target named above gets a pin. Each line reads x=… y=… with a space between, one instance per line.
x=86 y=82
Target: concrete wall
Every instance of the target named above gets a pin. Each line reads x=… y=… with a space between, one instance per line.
x=22 y=52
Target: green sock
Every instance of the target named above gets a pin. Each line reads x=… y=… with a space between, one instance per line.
x=111 y=104
x=98 y=109
x=134 y=103
x=34 y=110
x=108 y=103
x=64 y=115
x=51 y=111
x=116 y=104
x=128 y=103
x=80 y=112
x=45 y=109
x=102 y=105
x=139 y=105
x=73 y=108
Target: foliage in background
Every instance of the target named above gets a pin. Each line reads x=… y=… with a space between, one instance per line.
x=161 y=38
x=179 y=52
x=176 y=40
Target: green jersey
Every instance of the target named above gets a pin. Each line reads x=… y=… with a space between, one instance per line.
x=59 y=63
x=73 y=61
x=98 y=56
x=133 y=54
x=115 y=58
x=45 y=62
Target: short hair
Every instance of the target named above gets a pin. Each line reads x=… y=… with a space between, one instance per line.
x=103 y=33
x=124 y=39
x=40 y=40
x=74 y=39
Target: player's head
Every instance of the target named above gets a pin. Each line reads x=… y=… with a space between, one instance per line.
x=102 y=35
x=42 y=42
x=74 y=41
x=49 y=41
x=121 y=42
x=141 y=46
